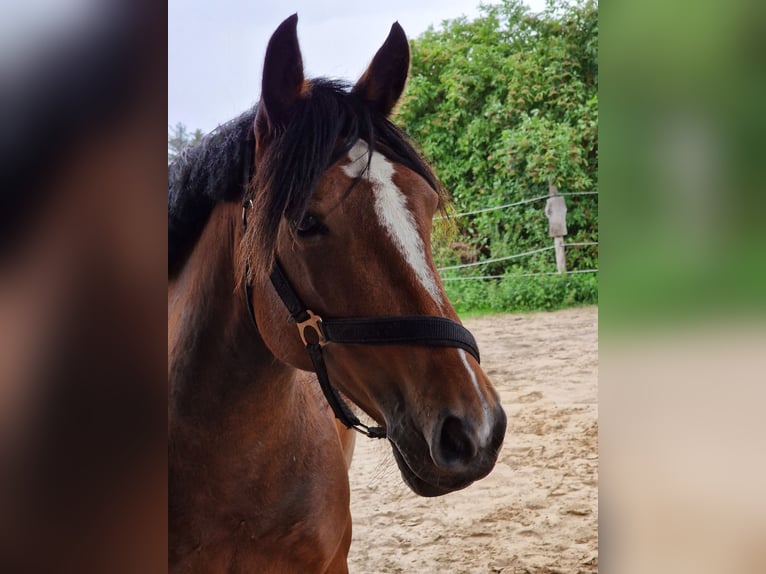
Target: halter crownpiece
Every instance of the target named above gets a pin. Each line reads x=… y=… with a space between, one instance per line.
x=317 y=332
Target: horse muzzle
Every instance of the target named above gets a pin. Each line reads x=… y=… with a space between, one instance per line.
x=456 y=453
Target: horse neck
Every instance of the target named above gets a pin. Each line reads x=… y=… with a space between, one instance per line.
x=217 y=359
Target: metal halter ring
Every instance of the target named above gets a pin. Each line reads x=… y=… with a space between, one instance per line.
x=314 y=322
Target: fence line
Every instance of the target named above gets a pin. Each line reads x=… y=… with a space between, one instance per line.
x=474 y=277
x=495 y=260
x=514 y=204
x=581 y=244
x=515 y=256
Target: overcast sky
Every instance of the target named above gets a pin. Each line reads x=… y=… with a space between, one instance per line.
x=216 y=48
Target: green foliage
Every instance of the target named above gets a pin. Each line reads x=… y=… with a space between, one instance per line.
x=545 y=292
x=503 y=106
x=179 y=137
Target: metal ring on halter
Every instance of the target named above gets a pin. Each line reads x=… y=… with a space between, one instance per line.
x=313 y=322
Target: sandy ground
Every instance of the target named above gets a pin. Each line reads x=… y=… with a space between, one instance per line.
x=538 y=509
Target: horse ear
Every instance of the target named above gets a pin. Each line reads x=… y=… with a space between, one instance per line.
x=282 y=77
x=382 y=83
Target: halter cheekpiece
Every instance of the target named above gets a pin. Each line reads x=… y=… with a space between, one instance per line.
x=317 y=332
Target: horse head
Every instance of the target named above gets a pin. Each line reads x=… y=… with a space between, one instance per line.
x=344 y=205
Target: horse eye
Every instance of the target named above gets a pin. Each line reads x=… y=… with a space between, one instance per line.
x=310 y=225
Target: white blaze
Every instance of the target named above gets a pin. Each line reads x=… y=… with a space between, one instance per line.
x=398 y=221
x=393 y=213
x=485 y=430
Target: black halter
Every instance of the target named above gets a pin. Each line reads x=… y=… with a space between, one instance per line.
x=316 y=333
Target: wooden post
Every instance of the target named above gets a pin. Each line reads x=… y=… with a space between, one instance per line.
x=556 y=212
x=561 y=260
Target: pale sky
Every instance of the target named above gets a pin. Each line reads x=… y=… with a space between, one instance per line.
x=216 y=48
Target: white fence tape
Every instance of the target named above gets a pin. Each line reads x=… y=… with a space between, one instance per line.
x=514 y=204
x=516 y=256
x=511 y=275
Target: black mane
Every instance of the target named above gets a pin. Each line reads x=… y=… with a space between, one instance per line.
x=202 y=175
x=324 y=125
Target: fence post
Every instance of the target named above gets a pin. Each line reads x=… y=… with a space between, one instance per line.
x=556 y=212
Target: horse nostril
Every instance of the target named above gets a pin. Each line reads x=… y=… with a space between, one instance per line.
x=455 y=445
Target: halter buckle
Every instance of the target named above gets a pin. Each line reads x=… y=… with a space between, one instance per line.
x=313 y=322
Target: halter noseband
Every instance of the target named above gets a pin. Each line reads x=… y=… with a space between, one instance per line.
x=317 y=332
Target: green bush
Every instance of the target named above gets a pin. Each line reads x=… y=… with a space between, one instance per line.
x=503 y=106
x=509 y=294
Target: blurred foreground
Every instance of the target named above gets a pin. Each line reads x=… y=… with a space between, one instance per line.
x=82 y=273
x=682 y=286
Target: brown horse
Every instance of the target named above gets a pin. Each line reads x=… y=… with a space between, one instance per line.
x=334 y=237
